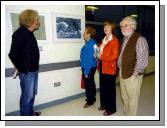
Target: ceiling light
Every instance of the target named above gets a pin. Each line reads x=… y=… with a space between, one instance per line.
x=91 y=8
x=134 y=15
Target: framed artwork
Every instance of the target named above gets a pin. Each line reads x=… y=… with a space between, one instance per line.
x=40 y=34
x=67 y=27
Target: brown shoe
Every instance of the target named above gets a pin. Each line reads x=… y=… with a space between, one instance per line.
x=86 y=105
x=36 y=113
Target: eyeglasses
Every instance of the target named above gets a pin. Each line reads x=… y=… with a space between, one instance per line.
x=124 y=26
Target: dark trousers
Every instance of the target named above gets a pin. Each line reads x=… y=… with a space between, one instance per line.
x=90 y=87
x=107 y=91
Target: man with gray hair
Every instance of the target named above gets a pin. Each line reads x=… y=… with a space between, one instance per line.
x=132 y=61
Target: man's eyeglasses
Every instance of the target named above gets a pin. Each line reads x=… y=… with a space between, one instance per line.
x=124 y=26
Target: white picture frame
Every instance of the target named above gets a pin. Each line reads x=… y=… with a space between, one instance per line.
x=67 y=28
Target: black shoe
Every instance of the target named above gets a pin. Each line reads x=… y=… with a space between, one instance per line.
x=36 y=113
x=107 y=113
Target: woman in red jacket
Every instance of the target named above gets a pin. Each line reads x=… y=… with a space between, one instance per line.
x=109 y=50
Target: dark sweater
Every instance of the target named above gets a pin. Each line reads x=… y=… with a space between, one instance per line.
x=24 y=52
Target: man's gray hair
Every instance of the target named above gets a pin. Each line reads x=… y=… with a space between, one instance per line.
x=131 y=20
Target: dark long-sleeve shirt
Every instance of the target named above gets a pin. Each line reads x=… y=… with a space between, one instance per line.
x=24 y=52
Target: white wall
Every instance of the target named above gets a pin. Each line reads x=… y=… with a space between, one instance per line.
x=51 y=48
x=53 y=51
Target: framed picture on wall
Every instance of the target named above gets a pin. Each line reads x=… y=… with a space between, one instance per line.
x=67 y=27
x=40 y=34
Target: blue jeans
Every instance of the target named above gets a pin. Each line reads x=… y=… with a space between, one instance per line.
x=28 y=84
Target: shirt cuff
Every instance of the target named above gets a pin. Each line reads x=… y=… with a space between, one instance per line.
x=135 y=73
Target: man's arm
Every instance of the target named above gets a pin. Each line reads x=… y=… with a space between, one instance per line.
x=142 y=56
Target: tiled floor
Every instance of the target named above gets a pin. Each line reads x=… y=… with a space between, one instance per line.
x=75 y=107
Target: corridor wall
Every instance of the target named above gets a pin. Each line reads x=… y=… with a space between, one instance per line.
x=53 y=52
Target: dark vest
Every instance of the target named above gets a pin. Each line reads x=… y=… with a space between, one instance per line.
x=129 y=56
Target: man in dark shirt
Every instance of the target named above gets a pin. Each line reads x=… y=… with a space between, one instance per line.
x=24 y=54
